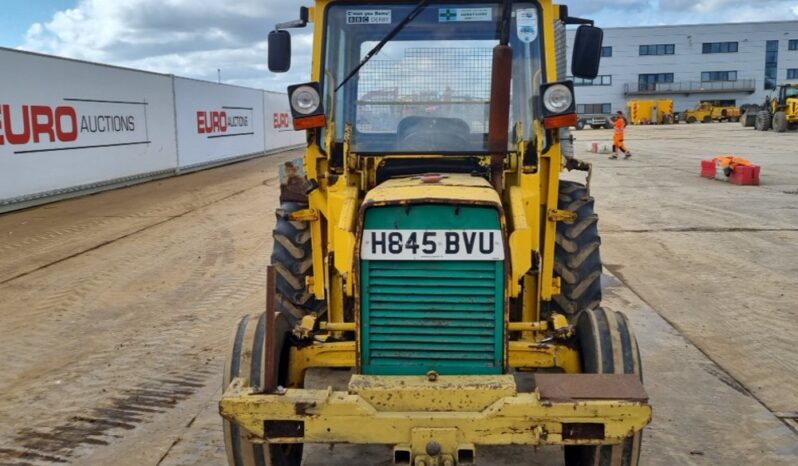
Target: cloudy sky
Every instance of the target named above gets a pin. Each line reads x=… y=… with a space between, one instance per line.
x=194 y=38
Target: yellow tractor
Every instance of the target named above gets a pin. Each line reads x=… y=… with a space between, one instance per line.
x=706 y=112
x=427 y=252
x=781 y=111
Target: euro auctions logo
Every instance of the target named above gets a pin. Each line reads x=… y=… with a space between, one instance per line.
x=226 y=122
x=282 y=121
x=75 y=124
x=37 y=123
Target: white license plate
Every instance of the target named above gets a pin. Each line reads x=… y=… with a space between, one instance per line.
x=431 y=245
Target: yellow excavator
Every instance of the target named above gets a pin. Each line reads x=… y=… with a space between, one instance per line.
x=434 y=285
x=780 y=111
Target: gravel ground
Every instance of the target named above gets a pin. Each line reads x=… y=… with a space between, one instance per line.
x=116 y=308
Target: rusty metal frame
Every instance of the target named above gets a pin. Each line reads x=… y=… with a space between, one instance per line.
x=479 y=410
x=270 y=335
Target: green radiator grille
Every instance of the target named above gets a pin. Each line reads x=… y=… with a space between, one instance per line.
x=442 y=316
x=423 y=315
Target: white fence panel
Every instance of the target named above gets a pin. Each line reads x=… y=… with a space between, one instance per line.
x=65 y=123
x=279 y=127
x=217 y=122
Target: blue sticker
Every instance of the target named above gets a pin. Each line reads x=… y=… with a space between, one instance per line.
x=527 y=23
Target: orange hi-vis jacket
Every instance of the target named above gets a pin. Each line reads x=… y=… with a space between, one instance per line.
x=620 y=125
x=732 y=161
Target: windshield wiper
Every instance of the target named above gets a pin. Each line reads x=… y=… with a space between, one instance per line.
x=388 y=37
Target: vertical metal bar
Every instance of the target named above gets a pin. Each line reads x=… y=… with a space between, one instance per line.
x=501 y=79
x=176 y=120
x=270 y=376
x=499 y=123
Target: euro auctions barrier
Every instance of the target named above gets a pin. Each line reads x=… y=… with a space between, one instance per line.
x=82 y=124
x=69 y=127
x=216 y=123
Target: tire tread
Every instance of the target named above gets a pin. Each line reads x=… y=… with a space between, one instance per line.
x=292 y=259
x=607 y=346
x=577 y=259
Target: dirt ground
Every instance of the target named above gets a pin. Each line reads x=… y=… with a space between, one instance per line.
x=115 y=309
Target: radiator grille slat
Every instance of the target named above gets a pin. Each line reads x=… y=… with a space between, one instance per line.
x=439 y=315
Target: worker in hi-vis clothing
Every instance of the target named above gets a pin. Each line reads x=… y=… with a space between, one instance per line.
x=617 y=139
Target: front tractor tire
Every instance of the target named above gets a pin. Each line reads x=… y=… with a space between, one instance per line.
x=780 y=124
x=292 y=259
x=763 y=121
x=577 y=260
x=607 y=345
x=247 y=359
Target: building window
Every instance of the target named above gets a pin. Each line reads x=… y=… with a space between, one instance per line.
x=793 y=44
x=601 y=80
x=588 y=109
x=658 y=49
x=720 y=47
x=721 y=103
x=792 y=73
x=712 y=76
x=771 y=64
x=648 y=82
x=606 y=51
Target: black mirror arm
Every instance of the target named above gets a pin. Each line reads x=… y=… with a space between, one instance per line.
x=575 y=20
x=568 y=19
x=297 y=23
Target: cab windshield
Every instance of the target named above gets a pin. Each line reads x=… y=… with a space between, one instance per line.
x=428 y=90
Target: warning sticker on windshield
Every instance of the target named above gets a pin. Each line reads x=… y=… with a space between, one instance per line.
x=527 y=22
x=446 y=15
x=368 y=17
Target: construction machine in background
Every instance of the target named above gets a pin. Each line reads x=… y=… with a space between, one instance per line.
x=427 y=250
x=706 y=112
x=594 y=120
x=780 y=111
x=651 y=112
x=748 y=114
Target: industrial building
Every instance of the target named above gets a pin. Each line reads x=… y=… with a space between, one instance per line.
x=727 y=64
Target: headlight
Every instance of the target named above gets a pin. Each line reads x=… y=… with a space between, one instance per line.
x=305 y=100
x=558 y=98
x=306 y=107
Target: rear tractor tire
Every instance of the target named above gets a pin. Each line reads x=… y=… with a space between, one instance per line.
x=691 y=120
x=748 y=119
x=780 y=124
x=247 y=359
x=292 y=259
x=607 y=346
x=577 y=260
x=707 y=119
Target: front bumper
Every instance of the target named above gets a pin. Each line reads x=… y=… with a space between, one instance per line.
x=457 y=412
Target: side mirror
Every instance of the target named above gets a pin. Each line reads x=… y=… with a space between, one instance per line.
x=587 y=52
x=279 y=51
